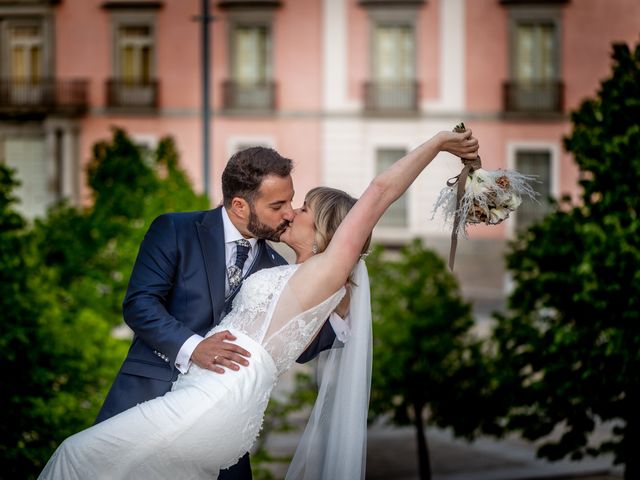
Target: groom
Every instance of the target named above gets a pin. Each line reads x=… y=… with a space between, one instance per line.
x=189 y=268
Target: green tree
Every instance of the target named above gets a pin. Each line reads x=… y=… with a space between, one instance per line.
x=62 y=285
x=568 y=349
x=55 y=367
x=92 y=250
x=425 y=357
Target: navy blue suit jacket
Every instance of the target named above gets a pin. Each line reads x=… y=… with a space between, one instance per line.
x=177 y=288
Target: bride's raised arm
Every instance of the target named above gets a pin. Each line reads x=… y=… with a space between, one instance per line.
x=329 y=270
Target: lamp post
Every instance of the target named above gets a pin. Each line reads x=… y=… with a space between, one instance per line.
x=205 y=18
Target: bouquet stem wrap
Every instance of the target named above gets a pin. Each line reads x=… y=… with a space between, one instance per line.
x=461 y=181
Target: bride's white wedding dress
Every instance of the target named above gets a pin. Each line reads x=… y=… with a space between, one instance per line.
x=207 y=421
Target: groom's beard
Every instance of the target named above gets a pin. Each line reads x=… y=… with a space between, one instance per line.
x=260 y=230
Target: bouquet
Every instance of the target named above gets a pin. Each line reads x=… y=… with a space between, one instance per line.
x=480 y=196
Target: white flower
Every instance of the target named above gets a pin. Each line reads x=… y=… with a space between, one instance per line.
x=498 y=214
x=478 y=182
x=513 y=202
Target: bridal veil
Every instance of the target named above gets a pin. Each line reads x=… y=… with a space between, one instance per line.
x=334 y=442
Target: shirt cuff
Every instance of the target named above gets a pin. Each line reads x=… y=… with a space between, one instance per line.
x=183 y=359
x=340 y=326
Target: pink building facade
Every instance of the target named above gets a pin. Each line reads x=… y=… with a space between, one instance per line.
x=343 y=87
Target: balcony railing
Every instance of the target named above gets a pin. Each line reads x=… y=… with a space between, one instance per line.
x=43 y=96
x=239 y=4
x=391 y=97
x=259 y=96
x=132 y=94
x=533 y=97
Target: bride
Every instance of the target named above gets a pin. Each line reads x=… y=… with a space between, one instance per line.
x=208 y=421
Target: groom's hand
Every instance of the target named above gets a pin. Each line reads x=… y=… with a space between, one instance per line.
x=215 y=352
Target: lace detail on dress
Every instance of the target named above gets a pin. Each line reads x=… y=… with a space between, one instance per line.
x=251 y=306
x=253 y=425
x=263 y=296
x=286 y=344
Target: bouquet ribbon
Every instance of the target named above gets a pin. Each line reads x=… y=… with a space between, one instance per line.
x=461 y=179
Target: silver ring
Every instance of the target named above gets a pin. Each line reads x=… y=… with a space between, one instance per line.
x=215 y=358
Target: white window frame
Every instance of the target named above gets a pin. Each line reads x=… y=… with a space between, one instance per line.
x=132 y=19
x=44 y=23
x=373 y=68
x=387 y=233
x=234 y=142
x=555 y=152
x=518 y=14
x=250 y=19
x=51 y=172
x=393 y=17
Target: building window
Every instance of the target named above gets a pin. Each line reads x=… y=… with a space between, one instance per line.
x=252 y=51
x=393 y=59
x=24 y=85
x=28 y=86
x=535 y=52
x=39 y=186
x=396 y=215
x=538 y=164
x=251 y=85
x=134 y=84
x=535 y=84
x=26 y=39
x=135 y=45
x=393 y=84
x=26 y=53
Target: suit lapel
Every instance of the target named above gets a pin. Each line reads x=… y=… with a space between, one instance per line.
x=211 y=236
x=264 y=258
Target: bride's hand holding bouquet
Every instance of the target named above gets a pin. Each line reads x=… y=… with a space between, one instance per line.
x=477 y=196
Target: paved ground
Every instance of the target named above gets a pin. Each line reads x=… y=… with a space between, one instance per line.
x=392 y=456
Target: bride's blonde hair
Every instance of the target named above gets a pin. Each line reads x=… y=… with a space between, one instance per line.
x=330 y=206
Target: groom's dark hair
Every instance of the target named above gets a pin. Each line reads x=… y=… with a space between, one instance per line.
x=247 y=168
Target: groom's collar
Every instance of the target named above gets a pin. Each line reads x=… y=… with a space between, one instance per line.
x=231 y=233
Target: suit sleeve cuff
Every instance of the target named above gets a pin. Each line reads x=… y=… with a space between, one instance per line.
x=183 y=359
x=340 y=326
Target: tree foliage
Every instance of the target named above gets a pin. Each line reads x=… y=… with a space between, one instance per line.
x=425 y=356
x=568 y=350
x=61 y=286
x=92 y=250
x=55 y=366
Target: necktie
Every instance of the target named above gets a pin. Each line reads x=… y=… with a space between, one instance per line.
x=234 y=272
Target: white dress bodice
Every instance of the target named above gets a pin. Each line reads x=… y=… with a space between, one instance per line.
x=266 y=310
